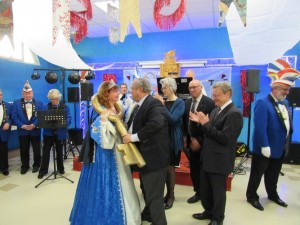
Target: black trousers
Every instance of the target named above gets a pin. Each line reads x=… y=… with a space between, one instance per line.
x=24 y=150
x=213 y=194
x=49 y=141
x=3 y=156
x=153 y=186
x=195 y=170
x=268 y=167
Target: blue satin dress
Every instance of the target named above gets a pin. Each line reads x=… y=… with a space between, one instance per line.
x=105 y=193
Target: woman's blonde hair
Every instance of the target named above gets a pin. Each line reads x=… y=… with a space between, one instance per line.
x=54 y=94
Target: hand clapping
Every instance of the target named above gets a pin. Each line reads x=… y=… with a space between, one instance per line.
x=199 y=117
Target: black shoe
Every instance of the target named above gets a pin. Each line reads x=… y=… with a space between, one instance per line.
x=215 y=222
x=35 y=169
x=279 y=202
x=40 y=176
x=194 y=199
x=23 y=171
x=202 y=216
x=61 y=171
x=5 y=172
x=256 y=204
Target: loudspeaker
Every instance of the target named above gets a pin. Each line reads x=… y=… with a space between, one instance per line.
x=253 y=81
x=293 y=156
x=73 y=94
x=87 y=91
x=75 y=135
x=294 y=97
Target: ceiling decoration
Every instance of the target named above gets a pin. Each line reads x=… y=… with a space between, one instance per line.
x=129 y=12
x=6 y=20
x=240 y=5
x=61 y=19
x=167 y=22
x=79 y=20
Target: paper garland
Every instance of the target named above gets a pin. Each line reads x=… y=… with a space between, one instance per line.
x=167 y=22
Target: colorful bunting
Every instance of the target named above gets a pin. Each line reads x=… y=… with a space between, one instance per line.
x=241 y=6
x=129 y=12
x=6 y=20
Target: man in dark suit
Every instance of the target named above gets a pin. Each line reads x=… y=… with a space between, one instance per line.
x=5 y=123
x=24 y=117
x=193 y=135
x=221 y=130
x=149 y=131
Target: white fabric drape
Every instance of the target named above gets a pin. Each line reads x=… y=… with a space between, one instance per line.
x=272 y=29
x=33 y=23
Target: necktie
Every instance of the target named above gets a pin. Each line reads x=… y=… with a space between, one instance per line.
x=281 y=102
x=28 y=102
x=132 y=115
x=193 y=107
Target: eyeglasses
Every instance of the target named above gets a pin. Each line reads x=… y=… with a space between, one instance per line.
x=193 y=87
x=284 y=89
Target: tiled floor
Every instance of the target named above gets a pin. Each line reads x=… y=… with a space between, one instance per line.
x=50 y=204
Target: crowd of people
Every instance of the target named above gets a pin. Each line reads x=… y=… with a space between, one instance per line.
x=161 y=127
x=23 y=114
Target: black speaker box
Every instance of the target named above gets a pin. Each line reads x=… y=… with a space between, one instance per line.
x=293 y=156
x=294 y=97
x=73 y=94
x=253 y=81
x=75 y=135
x=87 y=91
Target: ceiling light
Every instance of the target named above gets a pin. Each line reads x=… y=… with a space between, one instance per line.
x=51 y=77
x=35 y=76
x=103 y=5
x=74 y=78
x=90 y=75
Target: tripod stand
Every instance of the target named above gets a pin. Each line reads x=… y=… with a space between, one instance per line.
x=239 y=167
x=52 y=119
x=70 y=146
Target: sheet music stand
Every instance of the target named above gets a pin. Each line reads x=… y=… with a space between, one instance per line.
x=53 y=119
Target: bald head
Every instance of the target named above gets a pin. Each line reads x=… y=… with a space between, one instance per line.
x=195 y=88
x=190 y=73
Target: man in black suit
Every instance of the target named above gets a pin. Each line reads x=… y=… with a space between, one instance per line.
x=193 y=135
x=149 y=131
x=221 y=130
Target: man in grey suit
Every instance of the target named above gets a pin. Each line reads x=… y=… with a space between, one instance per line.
x=149 y=131
x=221 y=130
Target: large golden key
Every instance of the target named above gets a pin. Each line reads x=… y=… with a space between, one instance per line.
x=131 y=154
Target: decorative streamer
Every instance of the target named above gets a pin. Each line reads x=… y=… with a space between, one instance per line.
x=246 y=97
x=114 y=35
x=61 y=19
x=88 y=13
x=241 y=6
x=79 y=20
x=129 y=12
x=110 y=76
x=112 y=13
x=80 y=24
x=166 y=22
x=6 y=20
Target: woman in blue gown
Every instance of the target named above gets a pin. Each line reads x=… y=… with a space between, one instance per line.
x=105 y=193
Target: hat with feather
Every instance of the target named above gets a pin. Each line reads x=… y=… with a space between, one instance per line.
x=27 y=87
x=281 y=72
